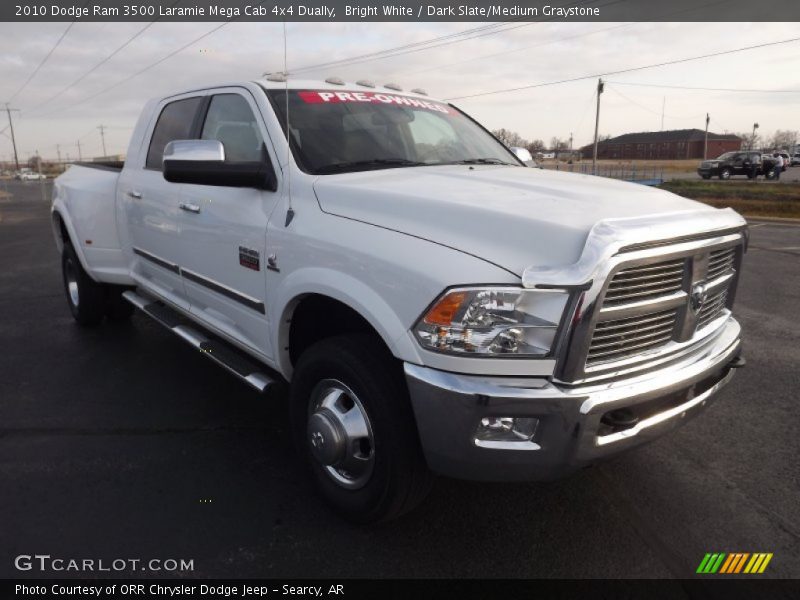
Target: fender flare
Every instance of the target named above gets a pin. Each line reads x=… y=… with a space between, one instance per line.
x=59 y=213
x=344 y=288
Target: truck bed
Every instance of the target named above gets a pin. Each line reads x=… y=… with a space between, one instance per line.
x=105 y=165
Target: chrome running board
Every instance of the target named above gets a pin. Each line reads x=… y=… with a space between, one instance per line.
x=218 y=351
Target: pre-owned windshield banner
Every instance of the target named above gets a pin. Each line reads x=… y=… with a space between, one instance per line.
x=402 y=10
x=326 y=97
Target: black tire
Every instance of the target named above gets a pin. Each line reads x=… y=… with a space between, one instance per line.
x=398 y=479
x=725 y=174
x=706 y=176
x=117 y=308
x=86 y=298
x=750 y=176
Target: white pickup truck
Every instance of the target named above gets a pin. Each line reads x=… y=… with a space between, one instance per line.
x=436 y=306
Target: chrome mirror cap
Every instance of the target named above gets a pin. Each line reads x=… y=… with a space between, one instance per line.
x=195 y=150
x=523 y=154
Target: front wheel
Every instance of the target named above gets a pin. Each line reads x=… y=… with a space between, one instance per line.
x=725 y=174
x=353 y=425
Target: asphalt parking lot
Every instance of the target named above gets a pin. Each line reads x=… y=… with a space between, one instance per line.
x=122 y=442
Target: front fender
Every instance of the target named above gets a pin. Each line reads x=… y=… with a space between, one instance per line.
x=346 y=289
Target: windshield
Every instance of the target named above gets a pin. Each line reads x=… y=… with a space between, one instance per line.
x=339 y=132
x=727 y=156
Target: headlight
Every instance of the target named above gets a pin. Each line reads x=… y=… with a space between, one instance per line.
x=493 y=321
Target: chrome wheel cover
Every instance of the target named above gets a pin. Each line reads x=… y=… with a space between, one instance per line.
x=339 y=434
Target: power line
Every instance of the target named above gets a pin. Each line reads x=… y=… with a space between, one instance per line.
x=42 y=62
x=140 y=71
x=650 y=110
x=95 y=67
x=563 y=39
x=430 y=44
x=386 y=53
x=150 y=66
x=627 y=70
x=706 y=89
x=102 y=62
x=495 y=54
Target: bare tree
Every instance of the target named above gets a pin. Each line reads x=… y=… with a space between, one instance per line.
x=510 y=138
x=782 y=139
x=536 y=146
x=557 y=144
x=750 y=141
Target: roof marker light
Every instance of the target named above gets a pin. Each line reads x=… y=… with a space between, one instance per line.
x=393 y=86
x=419 y=91
x=366 y=83
x=334 y=81
x=279 y=76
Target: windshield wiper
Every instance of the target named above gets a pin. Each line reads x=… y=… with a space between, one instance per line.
x=482 y=161
x=366 y=164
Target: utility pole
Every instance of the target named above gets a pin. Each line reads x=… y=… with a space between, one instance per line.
x=13 y=139
x=102 y=129
x=58 y=152
x=705 y=144
x=753 y=137
x=80 y=157
x=570 y=144
x=597 y=125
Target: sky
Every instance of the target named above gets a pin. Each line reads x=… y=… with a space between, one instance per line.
x=52 y=119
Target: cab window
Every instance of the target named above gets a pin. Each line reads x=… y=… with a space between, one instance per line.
x=231 y=121
x=174 y=123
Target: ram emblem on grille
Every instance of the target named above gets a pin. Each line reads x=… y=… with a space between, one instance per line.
x=698 y=297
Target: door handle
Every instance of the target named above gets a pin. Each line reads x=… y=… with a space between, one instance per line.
x=192 y=208
x=135 y=195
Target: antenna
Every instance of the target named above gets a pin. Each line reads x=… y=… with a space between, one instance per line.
x=290 y=211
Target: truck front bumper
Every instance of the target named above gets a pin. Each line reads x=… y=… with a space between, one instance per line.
x=571 y=430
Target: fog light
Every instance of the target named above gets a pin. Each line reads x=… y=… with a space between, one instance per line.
x=507 y=433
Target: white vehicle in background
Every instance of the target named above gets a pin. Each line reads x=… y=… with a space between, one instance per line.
x=436 y=307
x=31 y=176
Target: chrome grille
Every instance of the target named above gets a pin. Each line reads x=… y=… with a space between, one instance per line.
x=645 y=282
x=712 y=308
x=649 y=296
x=619 y=338
x=720 y=262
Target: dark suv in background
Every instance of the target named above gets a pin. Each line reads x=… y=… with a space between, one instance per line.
x=748 y=163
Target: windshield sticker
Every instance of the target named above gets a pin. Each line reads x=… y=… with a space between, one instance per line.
x=320 y=97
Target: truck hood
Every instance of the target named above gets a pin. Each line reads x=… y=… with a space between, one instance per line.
x=513 y=217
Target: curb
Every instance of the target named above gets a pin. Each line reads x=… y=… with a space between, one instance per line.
x=787 y=220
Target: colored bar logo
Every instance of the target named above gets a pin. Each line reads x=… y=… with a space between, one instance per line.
x=734 y=563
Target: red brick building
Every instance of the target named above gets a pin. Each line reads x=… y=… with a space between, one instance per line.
x=665 y=145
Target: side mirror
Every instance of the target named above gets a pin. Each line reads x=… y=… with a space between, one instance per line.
x=524 y=155
x=202 y=162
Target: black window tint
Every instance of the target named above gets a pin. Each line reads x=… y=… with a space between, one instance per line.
x=231 y=121
x=174 y=123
